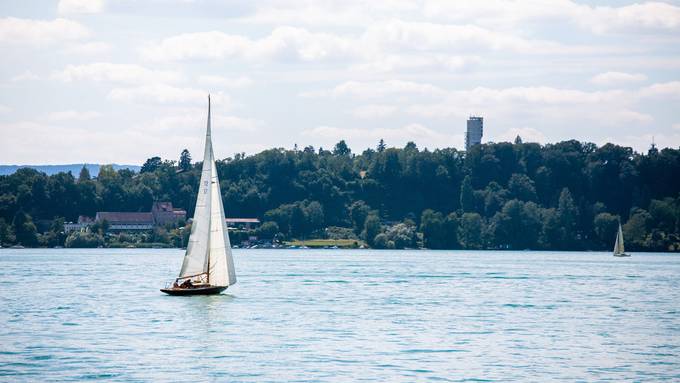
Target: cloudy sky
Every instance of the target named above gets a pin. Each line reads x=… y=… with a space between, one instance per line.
x=103 y=81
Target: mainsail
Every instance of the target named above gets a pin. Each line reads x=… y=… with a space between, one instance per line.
x=618 y=245
x=209 y=251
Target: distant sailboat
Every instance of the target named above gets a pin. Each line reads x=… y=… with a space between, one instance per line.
x=208 y=267
x=618 y=245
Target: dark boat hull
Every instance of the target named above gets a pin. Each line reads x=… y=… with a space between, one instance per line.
x=209 y=290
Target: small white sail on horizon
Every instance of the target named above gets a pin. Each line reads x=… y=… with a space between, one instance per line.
x=208 y=258
x=619 y=250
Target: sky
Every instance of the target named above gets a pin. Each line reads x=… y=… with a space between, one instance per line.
x=119 y=81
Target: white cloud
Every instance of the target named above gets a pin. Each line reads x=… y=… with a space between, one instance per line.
x=537 y=94
x=89 y=49
x=203 y=45
x=648 y=15
x=426 y=36
x=124 y=73
x=25 y=76
x=540 y=104
x=546 y=106
x=478 y=95
x=374 y=111
x=166 y=94
x=416 y=63
x=378 y=89
x=617 y=78
x=226 y=82
x=662 y=90
x=195 y=117
x=284 y=43
x=344 y=13
x=66 y=7
x=53 y=143
x=237 y=123
x=73 y=115
x=386 y=44
x=5 y=109
x=26 y=31
x=600 y=19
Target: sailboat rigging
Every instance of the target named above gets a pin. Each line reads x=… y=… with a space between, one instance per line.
x=619 y=250
x=208 y=266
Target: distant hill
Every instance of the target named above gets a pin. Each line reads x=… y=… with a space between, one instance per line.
x=54 y=169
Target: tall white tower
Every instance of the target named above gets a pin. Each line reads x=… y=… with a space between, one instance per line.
x=475 y=130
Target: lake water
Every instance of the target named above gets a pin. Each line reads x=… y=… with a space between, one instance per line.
x=334 y=315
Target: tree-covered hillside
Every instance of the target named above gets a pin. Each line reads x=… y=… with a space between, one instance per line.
x=568 y=195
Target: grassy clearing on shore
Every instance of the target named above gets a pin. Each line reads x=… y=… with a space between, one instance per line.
x=316 y=243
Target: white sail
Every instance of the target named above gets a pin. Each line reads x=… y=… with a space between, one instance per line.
x=618 y=245
x=209 y=250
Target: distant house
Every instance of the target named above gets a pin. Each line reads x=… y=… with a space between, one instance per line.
x=161 y=214
x=83 y=222
x=242 y=223
x=125 y=220
x=164 y=213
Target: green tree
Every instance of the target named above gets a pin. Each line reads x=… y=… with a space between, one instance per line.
x=517 y=226
x=185 y=160
x=605 y=226
x=267 y=230
x=298 y=221
x=57 y=233
x=315 y=215
x=358 y=212
x=282 y=216
x=24 y=229
x=470 y=231
x=552 y=233
x=341 y=149
x=433 y=228
x=636 y=229
x=382 y=242
x=402 y=235
x=151 y=165
x=100 y=227
x=381 y=146
x=522 y=187
x=372 y=228
x=451 y=227
x=494 y=198
x=664 y=214
x=84 y=240
x=567 y=214
x=467 y=196
x=6 y=233
x=84 y=174
x=401 y=183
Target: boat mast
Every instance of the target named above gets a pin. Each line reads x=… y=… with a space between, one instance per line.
x=211 y=180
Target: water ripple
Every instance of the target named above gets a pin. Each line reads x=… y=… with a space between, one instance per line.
x=333 y=315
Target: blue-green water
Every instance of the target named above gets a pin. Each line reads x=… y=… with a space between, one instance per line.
x=333 y=315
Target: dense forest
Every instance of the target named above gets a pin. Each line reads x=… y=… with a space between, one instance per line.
x=565 y=196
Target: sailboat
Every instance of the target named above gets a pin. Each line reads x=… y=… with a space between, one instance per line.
x=618 y=245
x=208 y=267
